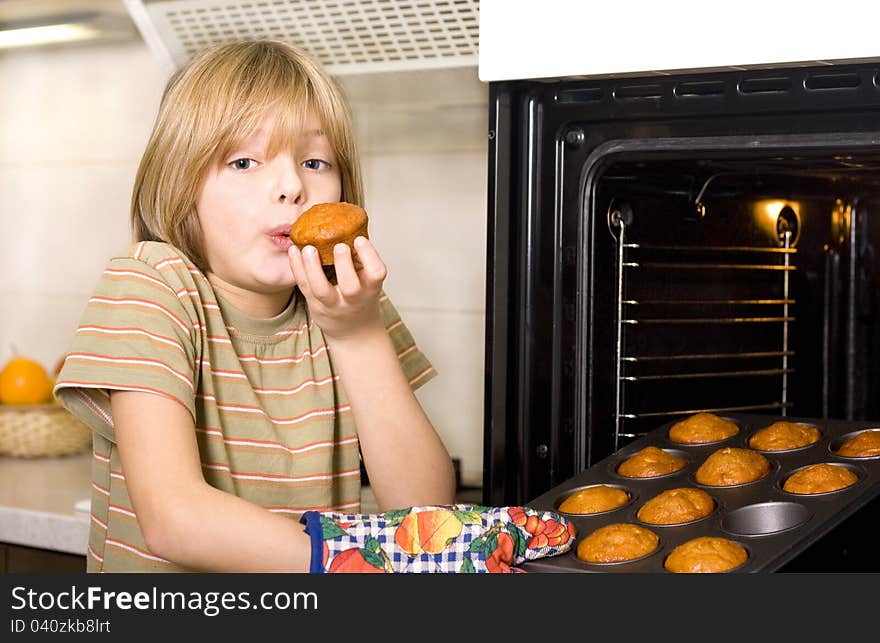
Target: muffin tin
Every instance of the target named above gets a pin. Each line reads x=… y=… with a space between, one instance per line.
x=773 y=525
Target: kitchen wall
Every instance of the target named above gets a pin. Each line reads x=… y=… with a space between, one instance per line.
x=73 y=123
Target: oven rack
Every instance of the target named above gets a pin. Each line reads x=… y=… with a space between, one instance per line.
x=737 y=259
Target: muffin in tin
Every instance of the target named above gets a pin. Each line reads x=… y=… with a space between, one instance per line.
x=706 y=554
x=783 y=435
x=731 y=466
x=616 y=543
x=819 y=478
x=863 y=445
x=676 y=506
x=595 y=499
x=650 y=462
x=702 y=428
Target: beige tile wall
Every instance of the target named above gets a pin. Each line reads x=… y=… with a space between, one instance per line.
x=72 y=125
x=73 y=122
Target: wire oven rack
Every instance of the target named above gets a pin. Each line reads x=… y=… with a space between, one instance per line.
x=699 y=363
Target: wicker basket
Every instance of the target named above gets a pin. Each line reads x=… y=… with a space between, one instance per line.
x=39 y=430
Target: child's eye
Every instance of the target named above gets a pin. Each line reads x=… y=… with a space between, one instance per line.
x=315 y=164
x=242 y=164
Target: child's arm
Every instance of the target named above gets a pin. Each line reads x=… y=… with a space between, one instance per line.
x=183 y=519
x=404 y=457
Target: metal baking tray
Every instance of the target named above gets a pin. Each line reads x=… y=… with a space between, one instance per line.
x=773 y=525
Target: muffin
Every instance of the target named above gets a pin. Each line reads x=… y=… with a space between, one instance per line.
x=675 y=506
x=863 y=445
x=702 y=428
x=593 y=500
x=650 y=462
x=782 y=435
x=820 y=478
x=616 y=543
x=731 y=466
x=325 y=224
x=704 y=555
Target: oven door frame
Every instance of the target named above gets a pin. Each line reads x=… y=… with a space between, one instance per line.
x=541 y=412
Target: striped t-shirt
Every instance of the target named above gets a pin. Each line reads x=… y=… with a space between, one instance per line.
x=272 y=421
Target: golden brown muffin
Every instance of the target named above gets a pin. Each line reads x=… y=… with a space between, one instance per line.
x=702 y=428
x=820 y=478
x=616 y=543
x=706 y=554
x=593 y=500
x=675 y=506
x=731 y=466
x=783 y=435
x=650 y=462
x=325 y=224
x=863 y=445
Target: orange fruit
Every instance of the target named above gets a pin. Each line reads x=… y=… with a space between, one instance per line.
x=24 y=381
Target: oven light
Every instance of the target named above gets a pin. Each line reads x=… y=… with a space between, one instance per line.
x=775 y=216
x=769 y=212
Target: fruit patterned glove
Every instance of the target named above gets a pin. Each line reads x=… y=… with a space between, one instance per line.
x=435 y=539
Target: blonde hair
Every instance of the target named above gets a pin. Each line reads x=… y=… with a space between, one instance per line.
x=209 y=106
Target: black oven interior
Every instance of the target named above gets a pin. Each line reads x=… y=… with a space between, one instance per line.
x=664 y=246
x=733 y=284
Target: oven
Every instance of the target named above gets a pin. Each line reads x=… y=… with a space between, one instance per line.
x=662 y=245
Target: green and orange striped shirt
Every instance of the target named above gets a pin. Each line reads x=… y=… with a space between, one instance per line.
x=272 y=421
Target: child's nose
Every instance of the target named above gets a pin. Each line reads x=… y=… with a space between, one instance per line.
x=290 y=188
x=291 y=197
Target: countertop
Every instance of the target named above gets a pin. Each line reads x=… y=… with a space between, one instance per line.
x=38 y=499
x=44 y=502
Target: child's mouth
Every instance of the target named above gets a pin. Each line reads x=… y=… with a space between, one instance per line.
x=282 y=241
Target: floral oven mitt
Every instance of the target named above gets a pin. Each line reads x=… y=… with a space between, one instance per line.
x=435 y=539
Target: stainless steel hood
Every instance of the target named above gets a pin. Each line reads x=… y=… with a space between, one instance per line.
x=47 y=23
x=347 y=36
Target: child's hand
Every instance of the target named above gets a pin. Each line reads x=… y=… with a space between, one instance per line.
x=351 y=306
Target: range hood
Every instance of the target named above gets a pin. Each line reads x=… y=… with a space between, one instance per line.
x=49 y=23
x=347 y=36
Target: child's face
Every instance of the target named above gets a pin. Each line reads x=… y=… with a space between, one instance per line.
x=247 y=202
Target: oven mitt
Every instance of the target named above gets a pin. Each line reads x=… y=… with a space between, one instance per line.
x=435 y=539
